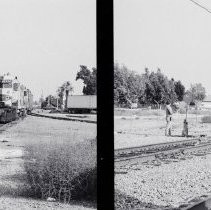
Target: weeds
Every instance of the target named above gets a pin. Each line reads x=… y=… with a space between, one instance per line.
x=62 y=171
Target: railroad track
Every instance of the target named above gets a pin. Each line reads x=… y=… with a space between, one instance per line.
x=196 y=146
x=63 y=118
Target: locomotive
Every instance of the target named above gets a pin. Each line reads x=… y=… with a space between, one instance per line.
x=15 y=99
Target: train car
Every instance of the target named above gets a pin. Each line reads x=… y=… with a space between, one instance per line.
x=15 y=99
x=81 y=103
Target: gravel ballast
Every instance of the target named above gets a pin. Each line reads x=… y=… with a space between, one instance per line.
x=173 y=184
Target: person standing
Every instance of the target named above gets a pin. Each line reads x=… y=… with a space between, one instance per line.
x=169 y=113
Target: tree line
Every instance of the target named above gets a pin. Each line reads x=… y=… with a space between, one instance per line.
x=146 y=89
x=88 y=76
x=151 y=88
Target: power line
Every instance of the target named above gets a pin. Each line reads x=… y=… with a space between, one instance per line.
x=203 y=7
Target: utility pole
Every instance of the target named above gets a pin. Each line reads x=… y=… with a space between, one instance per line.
x=49 y=103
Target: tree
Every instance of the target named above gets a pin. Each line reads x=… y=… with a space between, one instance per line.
x=89 y=80
x=159 y=89
x=172 y=94
x=128 y=86
x=51 y=101
x=120 y=85
x=63 y=92
x=148 y=88
x=196 y=92
x=179 y=90
x=43 y=104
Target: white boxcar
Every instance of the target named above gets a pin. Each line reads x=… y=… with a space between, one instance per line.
x=81 y=103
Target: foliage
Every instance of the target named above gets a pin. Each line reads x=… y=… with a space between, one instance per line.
x=63 y=92
x=196 y=93
x=43 y=104
x=179 y=90
x=89 y=79
x=159 y=89
x=146 y=89
x=64 y=172
x=51 y=100
x=128 y=86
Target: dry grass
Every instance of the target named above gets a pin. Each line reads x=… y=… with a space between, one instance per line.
x=138 y=112
x=62 y=171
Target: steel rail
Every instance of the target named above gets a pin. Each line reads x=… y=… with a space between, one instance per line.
x=197 y=149
x=150 y=148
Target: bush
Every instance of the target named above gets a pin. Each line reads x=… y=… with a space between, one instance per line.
x=62 y=171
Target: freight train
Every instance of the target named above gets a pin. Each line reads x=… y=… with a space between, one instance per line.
x=15 y=99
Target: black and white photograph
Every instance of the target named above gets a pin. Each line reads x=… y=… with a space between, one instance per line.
x=48 y=105
x=162 y=104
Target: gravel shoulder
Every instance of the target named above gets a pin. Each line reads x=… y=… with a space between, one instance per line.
x=174 y=183
x=171 y=184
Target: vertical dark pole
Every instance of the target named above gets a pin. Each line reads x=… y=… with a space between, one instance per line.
x=105 y=114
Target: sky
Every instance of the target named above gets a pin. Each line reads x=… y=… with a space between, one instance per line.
x=43 y=42
x=173 y=35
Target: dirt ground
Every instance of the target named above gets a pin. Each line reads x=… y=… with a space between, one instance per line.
x=14 y=137
x=133 y=131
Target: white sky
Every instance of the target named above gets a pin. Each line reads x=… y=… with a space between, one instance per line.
x=43 y=42
x=174 y=35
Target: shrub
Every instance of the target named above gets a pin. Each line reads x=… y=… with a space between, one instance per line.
x=62 y=171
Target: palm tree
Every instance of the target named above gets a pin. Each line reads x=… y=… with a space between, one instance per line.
x=66 y=88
